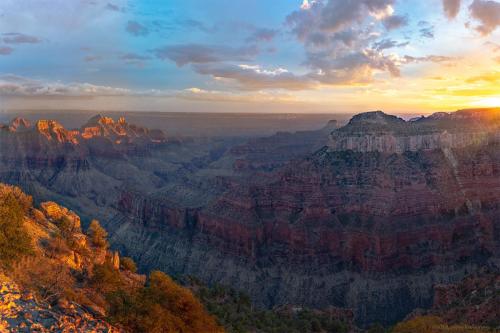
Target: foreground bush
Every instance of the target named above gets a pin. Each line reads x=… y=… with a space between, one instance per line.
x=161 y=306
x=433 y=324
x=14 y=239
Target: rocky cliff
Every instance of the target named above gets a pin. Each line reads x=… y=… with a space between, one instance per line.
x=379 y=132
x=119 y=132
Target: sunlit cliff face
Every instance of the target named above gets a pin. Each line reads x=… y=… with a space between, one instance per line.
x=250 y=56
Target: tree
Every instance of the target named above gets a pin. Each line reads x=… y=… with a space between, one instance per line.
x=105 y=278
x=128 y=264
x=14 y=239
x=161 y=306
x=97 y=234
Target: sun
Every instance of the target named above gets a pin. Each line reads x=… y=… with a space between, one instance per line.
x=488 y=102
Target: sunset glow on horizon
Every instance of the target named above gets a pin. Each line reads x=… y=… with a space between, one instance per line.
x=305 y=56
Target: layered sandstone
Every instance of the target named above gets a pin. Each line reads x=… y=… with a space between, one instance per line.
x=379 y=132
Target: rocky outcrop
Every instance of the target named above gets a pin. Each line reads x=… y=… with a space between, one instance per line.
x=55 y=212
x=117 y=133
x=120 y=131
x=21 y=312
x=52 y=130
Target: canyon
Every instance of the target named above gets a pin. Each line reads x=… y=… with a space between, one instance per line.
x=368 y=216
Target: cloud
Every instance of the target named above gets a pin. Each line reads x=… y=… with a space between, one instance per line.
x=305 y=5
x=388 y=44
x=198 y=94
x=334 y=15
x=427 y=32
x=395 y=22
x=199 y=53
x=341 y=39
x=5 y=50
x=451 y=8
x=136 y=29
x=426 y=29
x=354 y=68
x=18 y=38
x=92 y=58
x=114 y=8
x=134 y=59
x=494 y=46
x=430 y=58
x=487 y=12
x=263 y=35
x=134 y=56
x=194 y=24
x=13 y=85
x=493 y=77
x=254 y=77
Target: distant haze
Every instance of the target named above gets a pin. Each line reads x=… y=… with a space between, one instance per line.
x=195 y=124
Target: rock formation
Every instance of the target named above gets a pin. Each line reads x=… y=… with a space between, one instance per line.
x=21 y=312
x=119 y=132
x=379 y=132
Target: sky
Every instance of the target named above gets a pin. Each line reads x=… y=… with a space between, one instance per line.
x=400 y=56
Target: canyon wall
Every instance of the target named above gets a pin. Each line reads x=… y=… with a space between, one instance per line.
x=369 y=218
